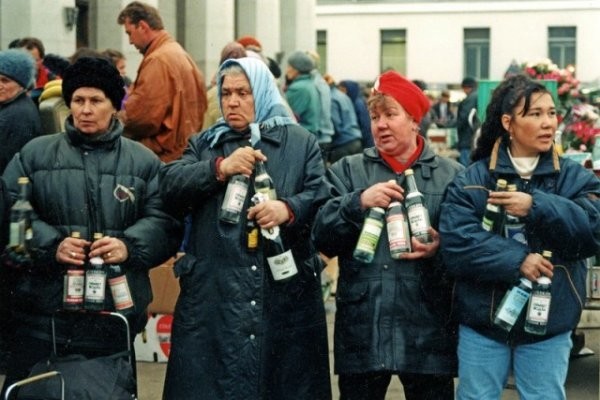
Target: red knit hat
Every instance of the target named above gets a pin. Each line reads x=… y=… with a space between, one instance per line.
x=250 y=42
x=409 y=95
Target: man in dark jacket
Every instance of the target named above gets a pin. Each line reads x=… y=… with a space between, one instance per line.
x=392 y=314
x=467 y=122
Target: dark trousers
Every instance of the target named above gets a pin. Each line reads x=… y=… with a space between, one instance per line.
x=373 y=386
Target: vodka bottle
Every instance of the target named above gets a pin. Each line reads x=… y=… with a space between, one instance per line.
x=512 y=304
x=95 y=282
x=74 y=284
x=369 y=235
x=251 y=236
x=119 y=289
x=263 y=183
x=493 y=216
x=20 y=220
x=514 y=228
x=235 y=197
x=538 y=310
x=418 y=215
x=397 y=230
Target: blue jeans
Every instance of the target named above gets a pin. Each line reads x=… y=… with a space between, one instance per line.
x=540 y=369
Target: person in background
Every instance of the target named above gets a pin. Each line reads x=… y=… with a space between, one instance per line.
x=167 y=100
x=326 y=130
x=238 y=333
x=119 y=61
x=42 y=75
x=87 y=179
x=302 y=95
x=254 y=49
x=466 y=120
x=353 y=90
x=347 y=137
x=392 y=315
x=427 y=118
x=558 y=201
x=213 y=110
x=443 y=116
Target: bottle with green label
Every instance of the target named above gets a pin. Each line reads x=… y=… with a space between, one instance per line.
x=493 y=216
x=369 y=235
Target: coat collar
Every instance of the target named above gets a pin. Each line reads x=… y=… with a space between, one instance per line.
x=428 y=160
x=105 y=140
x=500 y=161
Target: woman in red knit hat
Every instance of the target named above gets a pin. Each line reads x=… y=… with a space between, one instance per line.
x=392 y=313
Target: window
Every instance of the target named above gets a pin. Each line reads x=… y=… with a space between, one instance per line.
x=393 y=50
x=562 y=43
x=477 y=53
x=322 y=50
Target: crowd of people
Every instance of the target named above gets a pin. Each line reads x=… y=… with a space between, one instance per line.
x=166 y=161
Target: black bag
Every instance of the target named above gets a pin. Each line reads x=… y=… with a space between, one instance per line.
x=99 y=378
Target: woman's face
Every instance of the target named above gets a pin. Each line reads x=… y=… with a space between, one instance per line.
x=8 y=88
x=394 y=130
x=237 y=101
x=92 y=111
x=532 y=133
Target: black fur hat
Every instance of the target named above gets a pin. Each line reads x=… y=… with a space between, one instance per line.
x=97 y=73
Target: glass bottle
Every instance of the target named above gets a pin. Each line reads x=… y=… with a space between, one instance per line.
x=369 y=235
x=538 y=310
x=95 y=282
x=235 y=197
x=74 y=284
x=512 y=304
x=418 y=215
x=397 y=230
x=251 y=236
x=514 y=228
x=20 y=219
x=263 y=183
x=119 y=289
x=493 y=216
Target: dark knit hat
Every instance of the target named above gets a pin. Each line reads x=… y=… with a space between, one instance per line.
x=468 y=82
x=405 y=92
x=97 y=73
x=301 y=62
x=18 y=65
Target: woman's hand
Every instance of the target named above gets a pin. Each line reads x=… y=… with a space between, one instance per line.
x=535 y=266
x=269 y=214
x=241 y=161
x=72 y=251
x=423 y=250
x=515 y=203
x=111 y=249
x=381 y=195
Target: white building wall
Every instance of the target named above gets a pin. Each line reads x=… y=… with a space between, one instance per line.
x=434 y=36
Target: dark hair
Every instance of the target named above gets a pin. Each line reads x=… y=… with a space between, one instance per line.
x=137 y=11
x=31 y=43
x=505 y=99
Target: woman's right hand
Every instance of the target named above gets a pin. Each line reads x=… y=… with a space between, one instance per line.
x=72 y=251
x=381 y=195
x=241 y=161
x=535 y=266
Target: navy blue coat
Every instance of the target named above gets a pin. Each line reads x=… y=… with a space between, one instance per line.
x=564 y=218
x=236 y=333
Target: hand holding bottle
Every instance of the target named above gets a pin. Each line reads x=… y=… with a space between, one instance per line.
x=72 y=251
x=534 y=266
x=269 y=214
x=423 y=250
x=241 y=161
x=514 y=203
x=111 y=249
x=381 y=194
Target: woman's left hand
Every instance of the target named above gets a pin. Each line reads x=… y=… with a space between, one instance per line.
x=269 y=214
x=423 y=250
x=111 y=249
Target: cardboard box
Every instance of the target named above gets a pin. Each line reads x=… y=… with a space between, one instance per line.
x=165 y=288
x=154 y=342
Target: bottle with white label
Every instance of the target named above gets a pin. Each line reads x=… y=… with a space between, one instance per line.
x=512 y=304
x=538 y=310
x=514 y=227
x=119 y=289
x=418 y=215
x=397 y=229
x=95 y=282
x=369 y=235
x=235 y=197
x=74 y=284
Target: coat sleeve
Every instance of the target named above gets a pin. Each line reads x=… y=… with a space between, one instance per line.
x=340 y=217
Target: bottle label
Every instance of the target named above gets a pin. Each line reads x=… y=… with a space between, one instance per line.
x=95 y=285
x=17 y=233
x=398 y=236
x=418 y=217
x=369 y=236
x=515 y=231
x=512 y=307
x=235 y=197
x=121 y=294
x=282 y=265
x=539 y=308
x=75 y=286
x=252 y=239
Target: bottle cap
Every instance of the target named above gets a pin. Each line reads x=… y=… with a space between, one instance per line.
x=408 y=171
x=378 y=209
x=526 y=282
x=23 y=180
x=547 y=254
x=543 y=280
x=501 y=183
x=511 y=188
x=76 y=234
x=96 y=261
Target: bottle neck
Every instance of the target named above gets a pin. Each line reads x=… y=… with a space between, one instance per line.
x=411 y=184
x=23 y=194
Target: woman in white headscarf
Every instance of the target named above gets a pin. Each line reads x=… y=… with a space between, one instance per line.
x=238 y=333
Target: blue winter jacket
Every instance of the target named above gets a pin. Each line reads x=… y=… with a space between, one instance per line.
x=564 y=218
